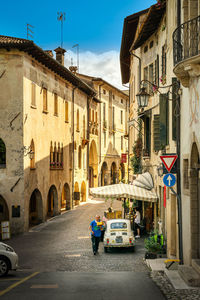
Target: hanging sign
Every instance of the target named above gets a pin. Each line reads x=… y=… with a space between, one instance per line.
x=123 y=157
x=168 y=161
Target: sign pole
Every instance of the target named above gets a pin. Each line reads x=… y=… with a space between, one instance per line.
x=179 y=225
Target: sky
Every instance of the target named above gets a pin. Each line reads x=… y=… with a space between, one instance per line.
x=95 y=25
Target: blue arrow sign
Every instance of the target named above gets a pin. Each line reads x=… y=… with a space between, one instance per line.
x=169 y=179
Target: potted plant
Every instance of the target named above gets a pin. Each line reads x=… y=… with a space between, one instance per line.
x=155 y=246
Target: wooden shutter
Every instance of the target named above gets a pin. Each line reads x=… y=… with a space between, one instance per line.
x=174 y=108
x=156 y=132
x=164 y=124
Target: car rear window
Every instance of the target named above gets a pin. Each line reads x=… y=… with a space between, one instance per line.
x=118 y=225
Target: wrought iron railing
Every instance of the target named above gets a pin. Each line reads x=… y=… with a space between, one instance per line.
x=186 y=40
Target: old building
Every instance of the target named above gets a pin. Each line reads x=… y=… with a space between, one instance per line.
x=43 y=125
x=186 y=49
x=111 y=117
x=147 y=62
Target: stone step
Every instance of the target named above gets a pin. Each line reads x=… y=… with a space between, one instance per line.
x=189 y=275
x=196 y=265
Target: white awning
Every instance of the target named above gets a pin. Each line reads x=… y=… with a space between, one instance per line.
x=124 y=191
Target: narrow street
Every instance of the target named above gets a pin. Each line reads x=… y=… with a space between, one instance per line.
x=56 y=262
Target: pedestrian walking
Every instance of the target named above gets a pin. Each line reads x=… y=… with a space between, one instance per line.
x=96 y=227
x=137 y=222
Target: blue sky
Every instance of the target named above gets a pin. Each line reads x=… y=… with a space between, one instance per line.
x=95 y=25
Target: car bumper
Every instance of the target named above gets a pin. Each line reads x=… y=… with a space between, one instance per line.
x=119 y=245
x=14 y=261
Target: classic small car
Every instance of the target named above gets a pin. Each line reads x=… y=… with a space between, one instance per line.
x=118 y=233
x=8 y=259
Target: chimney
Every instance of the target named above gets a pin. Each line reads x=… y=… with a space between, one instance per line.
x=60 y=55
x=50 y=52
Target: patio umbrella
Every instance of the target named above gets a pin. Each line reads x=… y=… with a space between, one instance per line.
x=122 y=190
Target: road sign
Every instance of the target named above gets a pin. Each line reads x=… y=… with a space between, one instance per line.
x=169 y=180
x=168 y=161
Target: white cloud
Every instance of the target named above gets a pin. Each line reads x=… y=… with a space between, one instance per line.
x=105 y=65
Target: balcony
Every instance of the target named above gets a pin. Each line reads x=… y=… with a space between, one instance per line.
x=186 y=50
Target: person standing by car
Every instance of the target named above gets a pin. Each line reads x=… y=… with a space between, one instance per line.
x=96 y=227
x=137 y=222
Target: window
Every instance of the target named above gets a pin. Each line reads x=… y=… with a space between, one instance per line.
x=113 y=140
x=77 y=120
x=96 y=117
x=122 y=140
x=2 y=154
x=164 y=66
x=185 y=174
x=84 y=127
x=104 y=92
x=118 y=225
x=104 y=112
x=121 y=116
x=146 y=85
x=55 y=105
x=156 y=71
x=32 y=161
x=122 y=101
x=90 y=115
x=104 y=135
x=45 y=104
x=145 y=49
x=151 y=44
x=84 y=161
x=93 y=116
x=79 y=157
x=113 y=96
x=33 y=94
x=174 y=108
x=56 y=156
x=66 y=112
x=151 y=78
x=113 y=118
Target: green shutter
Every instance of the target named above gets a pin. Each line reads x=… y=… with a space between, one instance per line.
x=164 y=120
x=156 y=132
x=174 y=108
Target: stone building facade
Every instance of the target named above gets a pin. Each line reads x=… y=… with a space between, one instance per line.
x=43 y=166
x=112 y=118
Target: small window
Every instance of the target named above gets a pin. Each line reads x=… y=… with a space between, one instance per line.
x=122 y=142
x=145 y=49
x=79 y=157
x=32 y=160
x=33 y=94
x=151 y=44
x=55 y=105
x=185 y=174
x=45 y=105
x=2 y=154
x=66 y=112
x=104 y=92
x=122 y=101
x=113 y=96
x=93 y=116
x=77 y=120
x=121 y=116
x=104 y=139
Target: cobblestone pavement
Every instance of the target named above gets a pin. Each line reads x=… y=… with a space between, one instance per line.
x=162 y=281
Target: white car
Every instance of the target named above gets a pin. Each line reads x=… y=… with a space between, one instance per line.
x=8 y=259
x=118 y=233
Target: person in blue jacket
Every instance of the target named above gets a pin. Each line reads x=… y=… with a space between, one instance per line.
x=96 y=227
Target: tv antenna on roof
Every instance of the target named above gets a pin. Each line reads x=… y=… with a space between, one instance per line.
x=29 y=31
x=61 y=17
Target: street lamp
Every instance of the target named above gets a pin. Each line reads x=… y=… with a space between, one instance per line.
x=142 y=98
x=160 y=170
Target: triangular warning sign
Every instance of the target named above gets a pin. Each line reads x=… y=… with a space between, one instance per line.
x=168 y=161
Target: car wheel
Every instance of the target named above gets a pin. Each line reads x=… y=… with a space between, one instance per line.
x=105 y=249
x=4 y=266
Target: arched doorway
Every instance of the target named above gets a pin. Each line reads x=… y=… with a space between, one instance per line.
x=104 y=175
x=76 y=194
x=83 y=192
x=195 y=203
x=122 y=173
x=93 y=165
x=35 y=208
x=113 y=173
x=65 y=197
x=4 y=213
x=52 y=202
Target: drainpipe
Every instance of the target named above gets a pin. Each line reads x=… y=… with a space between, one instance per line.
x=128 y=109
x=73 y=94
x=88 y=136
x=139 y=65
x=178 y=145
x=99 y=183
